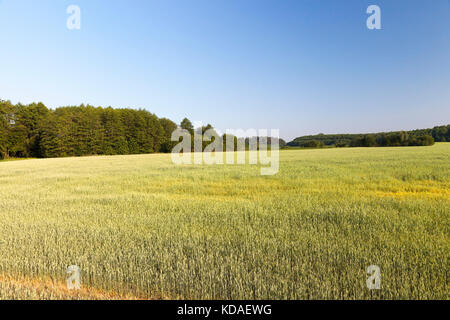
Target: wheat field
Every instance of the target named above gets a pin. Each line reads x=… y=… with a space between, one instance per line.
x=140 y=227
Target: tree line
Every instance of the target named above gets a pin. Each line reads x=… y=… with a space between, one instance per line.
x=420 y=137
x=35 y=131
x=236 y=142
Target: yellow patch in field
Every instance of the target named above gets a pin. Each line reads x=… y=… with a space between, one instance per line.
x=424 y=193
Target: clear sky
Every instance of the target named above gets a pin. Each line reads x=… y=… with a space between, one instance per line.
x=303 y=66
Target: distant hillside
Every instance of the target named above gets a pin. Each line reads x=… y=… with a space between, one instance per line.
x=417 y=137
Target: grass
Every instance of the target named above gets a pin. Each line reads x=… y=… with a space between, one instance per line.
x=141 y=227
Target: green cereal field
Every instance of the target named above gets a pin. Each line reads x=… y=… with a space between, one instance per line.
x=141 y=227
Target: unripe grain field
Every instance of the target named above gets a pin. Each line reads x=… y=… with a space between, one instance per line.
x=141 y=227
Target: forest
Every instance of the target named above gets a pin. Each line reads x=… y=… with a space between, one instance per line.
x=36 y=131
x=419 y=137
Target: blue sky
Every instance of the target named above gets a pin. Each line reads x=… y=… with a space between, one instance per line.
x=304 y=67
